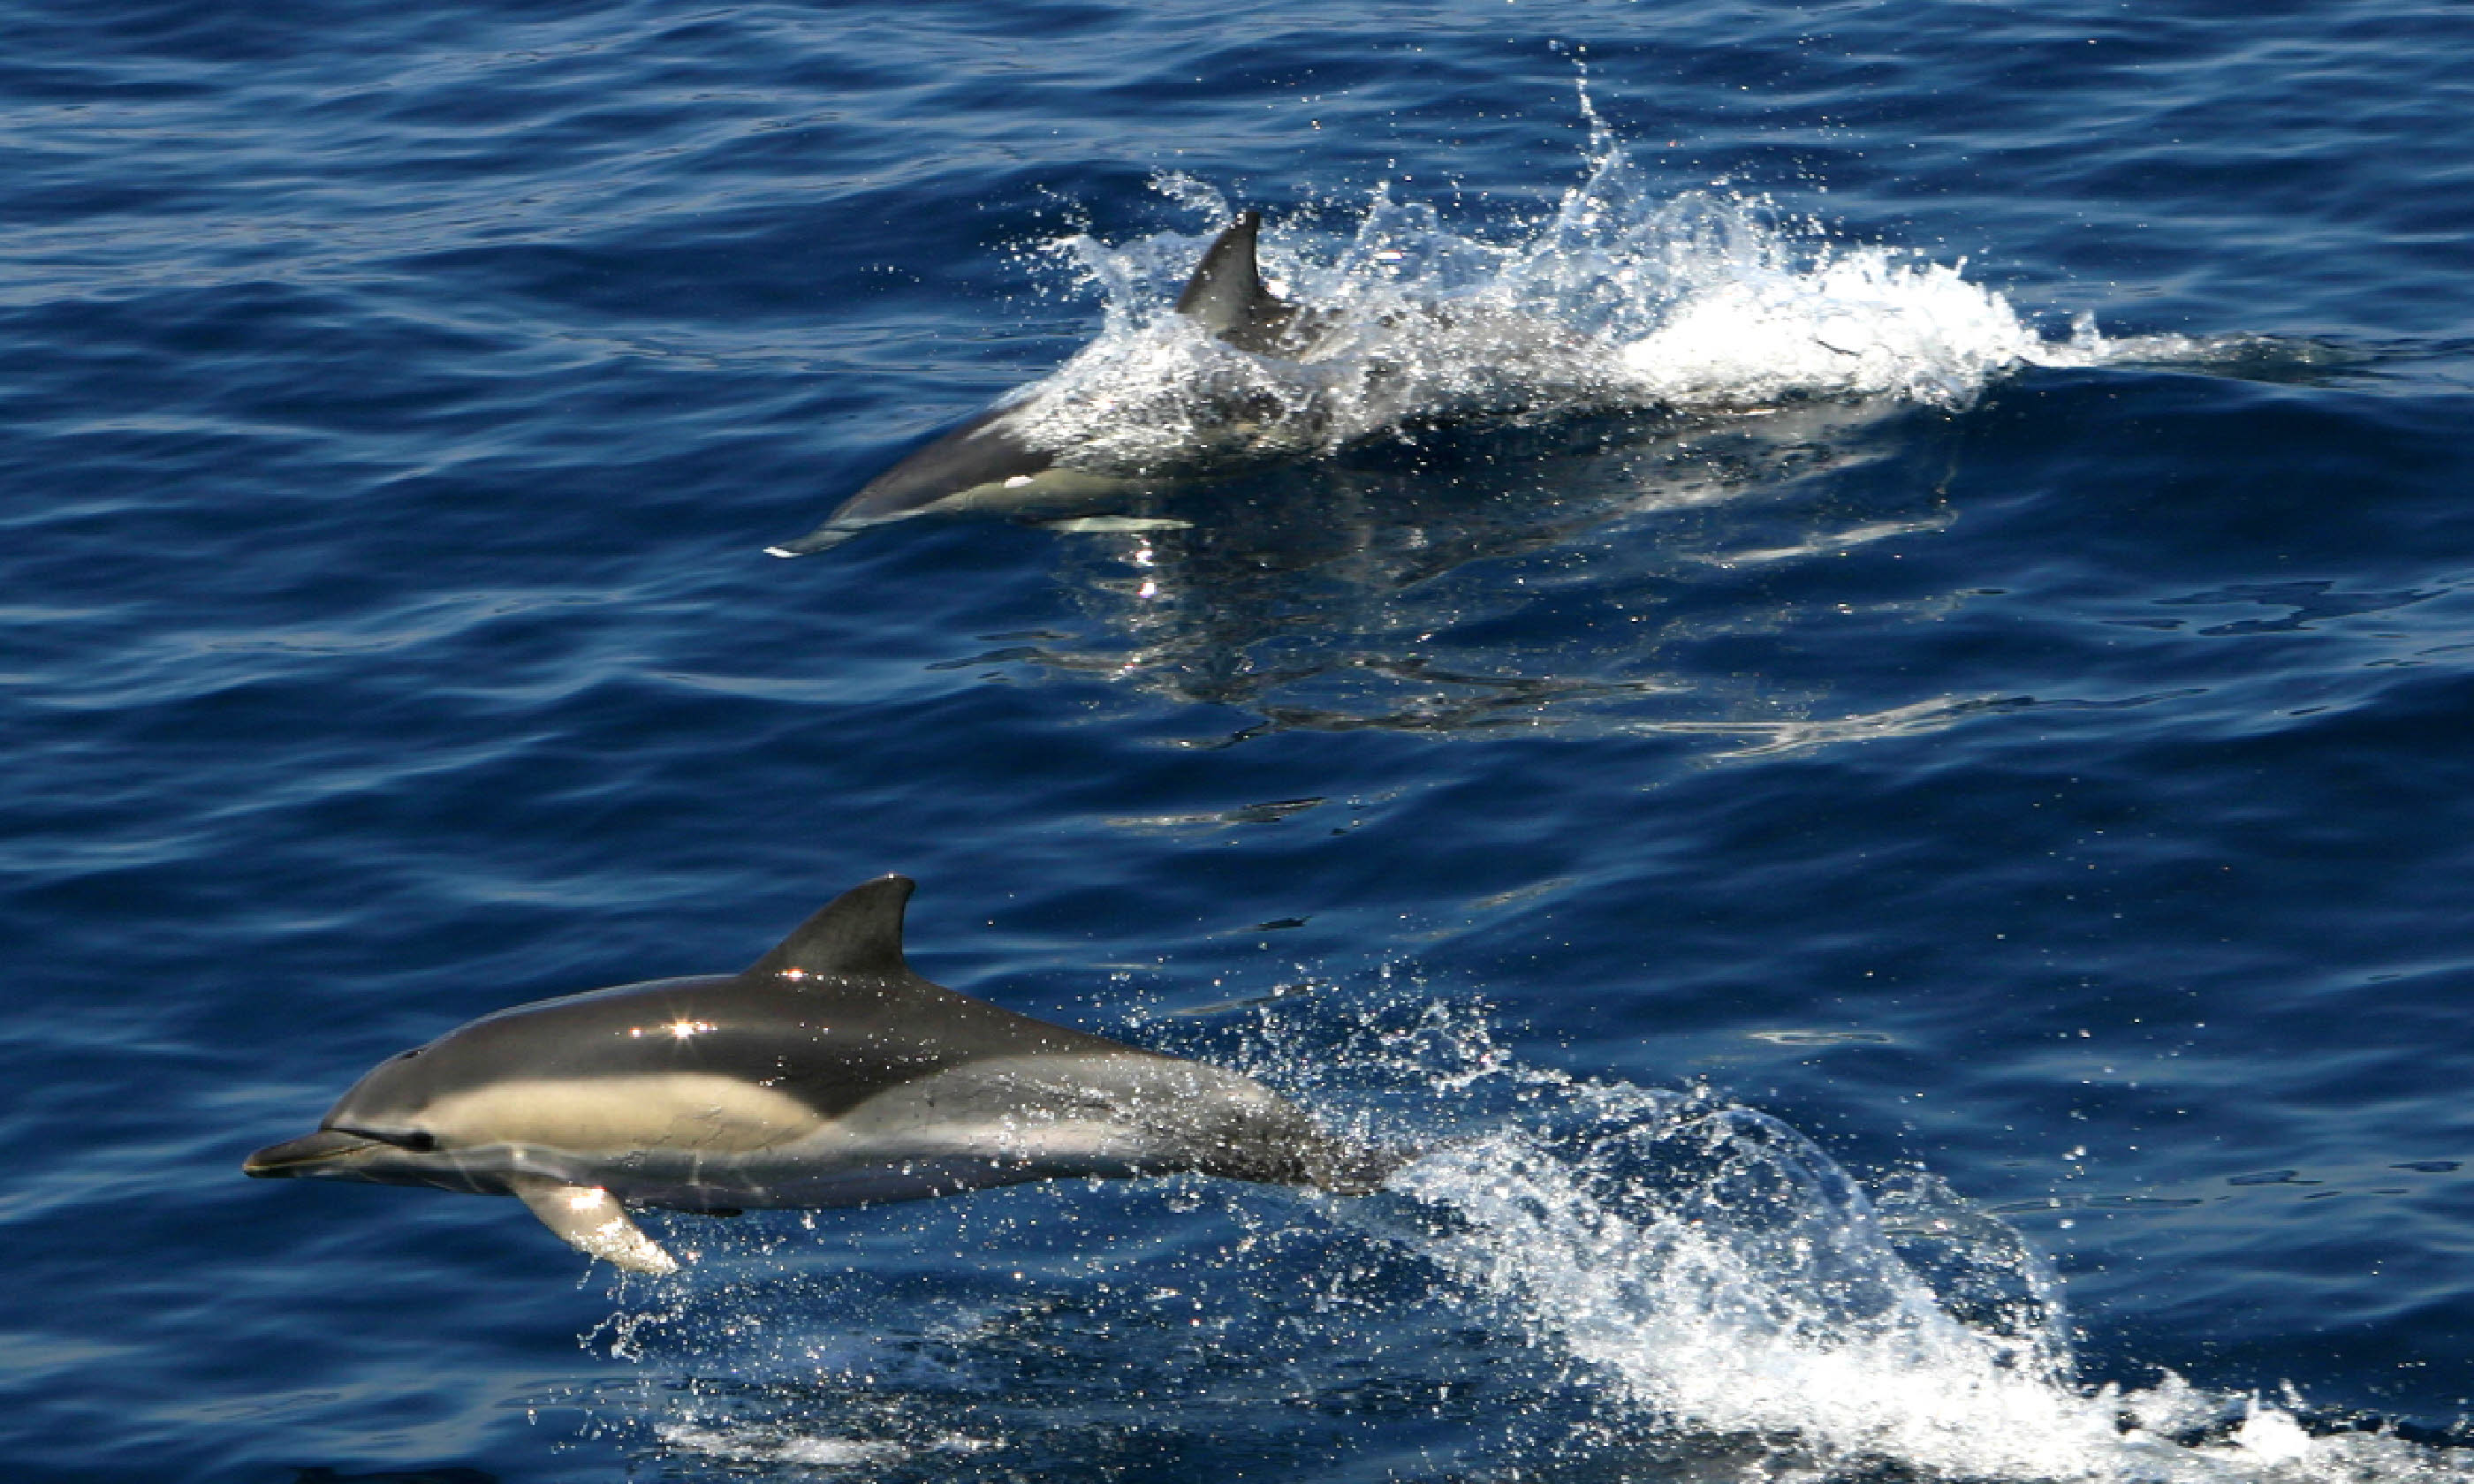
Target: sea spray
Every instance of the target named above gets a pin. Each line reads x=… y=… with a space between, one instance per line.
x=1617 y=300
x=1578 y=1272
x=1588 y=412
x=1718 y=1277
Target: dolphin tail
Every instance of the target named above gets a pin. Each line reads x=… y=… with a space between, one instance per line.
x=592 y=1222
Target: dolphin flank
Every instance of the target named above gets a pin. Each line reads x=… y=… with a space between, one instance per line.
x=826 y=1074
x=988 y=461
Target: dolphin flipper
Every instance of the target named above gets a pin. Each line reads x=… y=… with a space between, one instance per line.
x=590 y=1220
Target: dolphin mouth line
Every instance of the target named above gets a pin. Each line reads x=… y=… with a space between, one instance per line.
x=310 y=1151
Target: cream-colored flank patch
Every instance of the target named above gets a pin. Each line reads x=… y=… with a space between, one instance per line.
x=1047 y=483
x=679 y=1110
x=1101 y=1109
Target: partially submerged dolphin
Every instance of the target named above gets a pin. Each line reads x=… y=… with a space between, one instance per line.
x=826 y=1074
x=988 y=460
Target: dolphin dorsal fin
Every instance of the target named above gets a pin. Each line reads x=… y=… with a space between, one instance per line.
x=858 y=935
x=1227 y=296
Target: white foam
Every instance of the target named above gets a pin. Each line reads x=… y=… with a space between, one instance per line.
x=1768 y=1297
x=2272 y=1437
x=1863 y=325
x=1714 y=1274
x=1619 y=301
x=1721 y=1331
x=815 y=1453
x=1706 y=1272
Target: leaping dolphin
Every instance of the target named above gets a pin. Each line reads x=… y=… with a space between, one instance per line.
x=988 y=460
x=826 y=1074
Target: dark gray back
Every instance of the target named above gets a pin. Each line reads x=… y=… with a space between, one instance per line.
x=831 y=1016
x=983 y=451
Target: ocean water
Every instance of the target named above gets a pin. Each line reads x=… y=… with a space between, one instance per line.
x=1844 y=686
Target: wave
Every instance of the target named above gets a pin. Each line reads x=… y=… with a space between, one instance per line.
x=1616 y=302
x=1722 y=1283
x=1580 y=1276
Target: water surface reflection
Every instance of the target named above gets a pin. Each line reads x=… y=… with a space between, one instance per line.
x=1474 y=580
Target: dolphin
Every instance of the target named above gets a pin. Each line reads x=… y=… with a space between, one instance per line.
x=827 y=1074
x=989 y=462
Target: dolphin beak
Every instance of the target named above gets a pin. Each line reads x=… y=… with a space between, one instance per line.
x=305 y=1155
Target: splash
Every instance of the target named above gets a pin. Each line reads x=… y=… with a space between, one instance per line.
x=1616 y=303
x=1618 y=400
x=814 y=1452
x=1722 y=1277
x=1579 y=1276
x=1863 y=325
x=1766 y=1298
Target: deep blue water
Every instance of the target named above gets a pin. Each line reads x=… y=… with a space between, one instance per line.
x=2001 y=818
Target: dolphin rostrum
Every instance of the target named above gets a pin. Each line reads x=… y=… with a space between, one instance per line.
x=826 y=1074
x=989 y=461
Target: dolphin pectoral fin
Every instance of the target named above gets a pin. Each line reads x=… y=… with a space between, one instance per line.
x=590 y=1220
